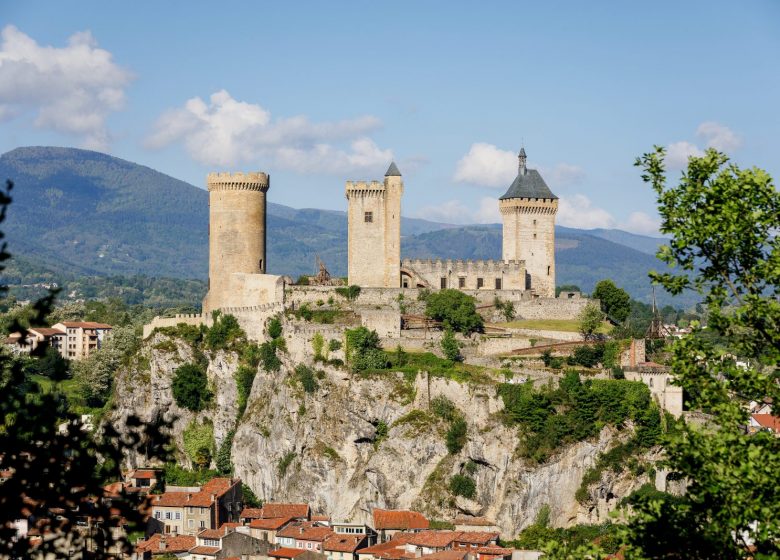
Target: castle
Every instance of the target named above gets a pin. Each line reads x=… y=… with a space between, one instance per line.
x=528 y=210
x=239 y=284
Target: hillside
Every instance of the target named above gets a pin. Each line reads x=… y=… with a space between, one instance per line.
x=86 y=213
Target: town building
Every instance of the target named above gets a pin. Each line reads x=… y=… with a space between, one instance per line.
x=308 y=535
x=388 y=523
x=266 y=529
x=82 y=338
x=189 y=510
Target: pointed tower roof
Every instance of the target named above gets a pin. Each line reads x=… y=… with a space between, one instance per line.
x=528 y=183
x=392 y=171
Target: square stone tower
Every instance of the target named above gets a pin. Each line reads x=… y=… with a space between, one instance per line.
x=528 y=211
x=374 y=231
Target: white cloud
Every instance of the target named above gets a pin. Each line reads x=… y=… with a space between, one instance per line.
x=715 y=135
x=487 y=166
x=677 y=154
x=451 y=212
x=72 y=89
x=225 y=132
x=577 y=211
x=639 y=222
x=719 y=136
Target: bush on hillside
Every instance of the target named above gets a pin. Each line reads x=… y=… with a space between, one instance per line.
x=190 y=387
x=456 y=311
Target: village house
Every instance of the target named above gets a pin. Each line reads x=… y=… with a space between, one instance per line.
x=307 y=535
x=189 y=510
x=159 y=545
x=36 y=337
x=464 y=523
x=428 y=542
x=393 y=549
x=767 y=422
x=141 y=480
x=387 y=523
x=344 y=547
x=266 y=529
x=295 y=553
x=231 y=540
x=82 y=338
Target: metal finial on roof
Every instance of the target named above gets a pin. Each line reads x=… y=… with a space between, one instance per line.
x=392 y=171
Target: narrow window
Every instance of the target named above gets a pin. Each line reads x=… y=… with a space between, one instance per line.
x=534 y=222
x=548 y=268
x=534 y=236
x=480 y=283
x=461 y=282
x=260 y=264
x=443 y=283
x=369 y=217
x=498 y=283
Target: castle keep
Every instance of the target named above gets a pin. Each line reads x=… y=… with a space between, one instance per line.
x=528 y=210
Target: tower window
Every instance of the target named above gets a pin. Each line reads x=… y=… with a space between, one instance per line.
x=498 y=283
x=534 y=222
x=443 y=284
x=480 y=283
x=260 y=265
x=461 y=282
x=548 y=271
x=368 y=217
x=534 y=236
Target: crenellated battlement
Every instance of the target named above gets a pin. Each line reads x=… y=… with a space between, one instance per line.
x=254 y=181
x=371 y=186
x=464 y=266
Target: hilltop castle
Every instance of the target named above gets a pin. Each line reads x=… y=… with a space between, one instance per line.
x=238 y=283
x=528 y=210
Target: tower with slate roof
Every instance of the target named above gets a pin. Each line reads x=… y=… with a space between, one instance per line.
x=528 y=210
x=374 y=230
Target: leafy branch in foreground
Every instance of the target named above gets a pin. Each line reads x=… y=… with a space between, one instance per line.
x=723 y=223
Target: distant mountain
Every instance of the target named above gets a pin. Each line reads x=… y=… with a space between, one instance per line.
x=83 y=212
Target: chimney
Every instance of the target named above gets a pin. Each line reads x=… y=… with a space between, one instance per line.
x=162 y=544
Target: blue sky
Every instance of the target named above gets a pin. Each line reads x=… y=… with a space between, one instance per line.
x=316 y=93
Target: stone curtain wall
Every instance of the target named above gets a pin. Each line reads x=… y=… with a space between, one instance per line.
x=511 y=273
x=552 y=308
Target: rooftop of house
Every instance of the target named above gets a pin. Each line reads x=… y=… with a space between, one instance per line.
x=143 y=473
x=495 y=550
x=343 y=543
x=84 y=325
x=167 y=543
x=285 y=552
x=273 y=524
x=223 y=530
x=47 y=331
x=385 y=519
x=271 y=510
x=434 y=539
x=473 y=521
x=205 y=550
x=305 y=531
x=767 y=421
x=477 y=537
x=447 y=555
x=395 y=544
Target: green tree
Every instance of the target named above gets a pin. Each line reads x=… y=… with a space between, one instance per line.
x=450 y=346
x=456 y=311
x=463 y=485
x=615 y=302
x=456 y=436
x=722 y=221
x=590 y=319
x=94 y=375
x=190 y=387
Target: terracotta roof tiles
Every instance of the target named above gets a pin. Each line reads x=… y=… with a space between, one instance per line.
x=205 y=550
x=434 y=539
x=172 y=544
x=305 y=531
x=343 y=543
x=271 y=510
x=285 y=552
x=477 y=537
x=399 y=520
x=269 y=524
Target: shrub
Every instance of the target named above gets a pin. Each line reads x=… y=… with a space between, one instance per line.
x=224 y=331
x=456 y=311
x=317 y=345
x=303 y=280
x=350 y=292
x=245 y=378
x=190 y=387
x=444 y=408
x=268 y=357
x=334 y=345
x=463 y=485
x=547 y=358
x=285 y=462
x=306 y=377
x=224 y=459
x=450 y=346
x=274 y=327
x=363 y=351
x=380 y=435
x=199 y=442
x=456 y=435
x=587 y=356
x=250 y=499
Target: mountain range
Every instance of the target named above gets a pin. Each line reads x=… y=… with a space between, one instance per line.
x=86 y=213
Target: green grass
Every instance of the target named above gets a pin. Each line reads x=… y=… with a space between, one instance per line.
x=437 y=367
x=563 y=325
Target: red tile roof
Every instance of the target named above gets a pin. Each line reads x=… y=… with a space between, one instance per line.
x=768 y=421
x=46 y=331
x=251 y=513
x=447 y=555
x=144 y=473
x=477 y=537
x=85 y=325
x=286 y=552
x=269 y=524
x=473 y=521
x=397 y=542
x=434 y=539
x=173 y=544
x=305 y=531
x=494 y=550
x=206 y=550
x=343 y=543
x=399 y=520
x=271 y=510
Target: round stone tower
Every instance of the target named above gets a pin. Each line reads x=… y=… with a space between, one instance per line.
x=528 y=210
x=236 y=230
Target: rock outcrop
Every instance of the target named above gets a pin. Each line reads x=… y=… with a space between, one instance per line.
x=356 y=443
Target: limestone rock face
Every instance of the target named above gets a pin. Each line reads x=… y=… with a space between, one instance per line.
x=326 y=447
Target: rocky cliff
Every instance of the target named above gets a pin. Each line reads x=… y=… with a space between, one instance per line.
x=356 y=443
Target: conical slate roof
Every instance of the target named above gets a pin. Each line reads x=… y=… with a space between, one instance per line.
x=528 y=184
x=392 y=171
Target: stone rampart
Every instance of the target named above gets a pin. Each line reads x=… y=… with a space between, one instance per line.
x=478 y=275
x=161 y=322
x=552 y=308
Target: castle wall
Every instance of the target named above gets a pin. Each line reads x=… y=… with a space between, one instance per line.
x=464 y=275
x=386 y=322
x=237 y=230
x=162 y=322
x=668 y=396
x=529 y=236
x=551 y=308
